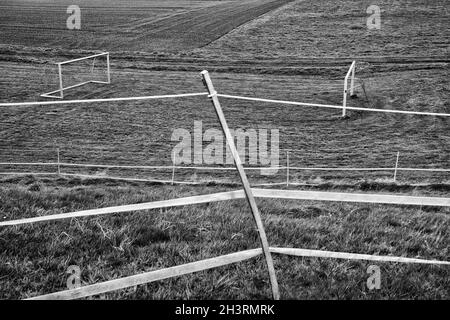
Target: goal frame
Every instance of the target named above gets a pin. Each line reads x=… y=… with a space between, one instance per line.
x=59 y=93
x=350 y=73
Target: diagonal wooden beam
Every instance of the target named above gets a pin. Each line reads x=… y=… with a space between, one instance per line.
x=248 y=191
x=207 y=198
x=143 y=278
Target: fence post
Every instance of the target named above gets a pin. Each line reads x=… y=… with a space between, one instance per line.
x=173 y=167
x=396 y=167
x=61 y=88
x=344 y=102
x=93 y=66
x=59 y=162
x=248 y=191
x=108 y=67
x=287 y=168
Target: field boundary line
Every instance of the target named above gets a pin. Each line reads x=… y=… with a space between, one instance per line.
x=193 y=183
x=131 y=281
x=351 y=256
x=113 y=166
x=367 y=169
x=99 y=177
x=43 y=103
x=227 y=96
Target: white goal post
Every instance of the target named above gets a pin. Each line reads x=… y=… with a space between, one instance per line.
x=350 y=73
x=59 y=94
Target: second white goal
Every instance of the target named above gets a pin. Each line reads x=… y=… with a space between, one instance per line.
x=78 y=72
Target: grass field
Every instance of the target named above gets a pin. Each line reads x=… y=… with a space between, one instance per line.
x=289 y=50
x=35 y=259
x=326 y=28
x=139 y=133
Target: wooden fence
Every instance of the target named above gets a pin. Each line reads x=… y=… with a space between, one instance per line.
x=247 y=193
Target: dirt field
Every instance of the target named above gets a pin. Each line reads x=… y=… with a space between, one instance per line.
x=166 y=26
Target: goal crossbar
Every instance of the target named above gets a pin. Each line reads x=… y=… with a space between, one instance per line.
x=84 y=58
x=59 y=93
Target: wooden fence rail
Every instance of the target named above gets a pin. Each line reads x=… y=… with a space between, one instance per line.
x=152 y=276
x=239 y=194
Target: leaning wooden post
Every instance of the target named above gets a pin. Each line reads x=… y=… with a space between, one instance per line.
x=396 y=166
x=248 y=191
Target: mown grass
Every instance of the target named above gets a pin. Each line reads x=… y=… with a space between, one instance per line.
x=35 y=257
x=325 y=28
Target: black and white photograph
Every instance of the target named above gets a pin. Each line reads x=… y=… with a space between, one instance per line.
x=224 y=155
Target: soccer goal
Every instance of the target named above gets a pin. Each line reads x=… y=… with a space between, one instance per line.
x=350 y=75
x=78 y=72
